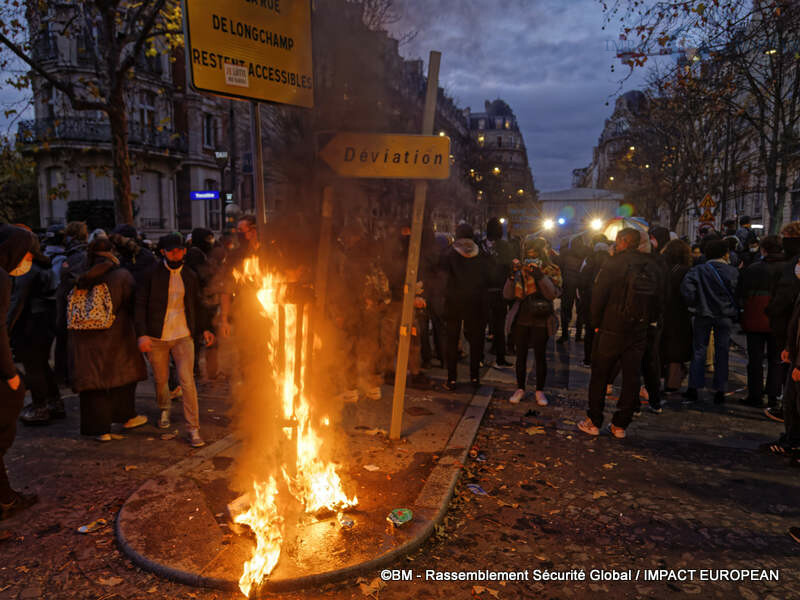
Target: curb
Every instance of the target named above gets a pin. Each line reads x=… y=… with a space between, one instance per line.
x=435 y=495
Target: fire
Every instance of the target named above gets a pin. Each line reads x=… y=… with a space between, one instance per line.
x=312 y=482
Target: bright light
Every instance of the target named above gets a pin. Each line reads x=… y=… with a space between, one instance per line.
x=520 y=192
x=632 y=148
x=771 y=51
x=502 y=220
x=757 y=226
x=548 y=224
x=442 y=133
x=611 y=178
x=597 y=224
x=496 y=170
x=561 y=220
x=647 y=166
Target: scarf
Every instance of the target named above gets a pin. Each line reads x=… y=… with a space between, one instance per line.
x=525 y=284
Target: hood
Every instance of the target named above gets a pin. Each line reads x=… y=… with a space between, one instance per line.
x=466 y=248
x=95 y=274
x=15 y=243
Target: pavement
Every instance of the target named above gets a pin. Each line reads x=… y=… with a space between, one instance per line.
x=176 y=524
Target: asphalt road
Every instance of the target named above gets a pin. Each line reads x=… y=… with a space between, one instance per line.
x=683 y=500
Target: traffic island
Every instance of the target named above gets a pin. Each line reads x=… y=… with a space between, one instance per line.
x=177 y=524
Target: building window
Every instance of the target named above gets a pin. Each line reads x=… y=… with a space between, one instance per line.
x=209 y=131
x=146 y=111
x=481 y=123
x=508 y=123
x=498 y=122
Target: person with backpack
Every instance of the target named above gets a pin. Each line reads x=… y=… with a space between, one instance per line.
x=626 y=300
x=104 y=362
x=533 y=285
x=708 y=290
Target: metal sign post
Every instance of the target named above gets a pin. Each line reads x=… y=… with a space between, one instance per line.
x=261 y=208
x=409 y=292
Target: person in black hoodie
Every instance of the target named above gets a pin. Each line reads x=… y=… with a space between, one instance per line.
x=465 y=302
x=589 y=270
x=15 y=260
x=31 y=323
x=499 y=252
x=755 y=283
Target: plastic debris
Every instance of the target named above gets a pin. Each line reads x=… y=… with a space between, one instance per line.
x=400 y=516
x=345 y=522
x=372 y=467
x=93 y=526
x=481 y=457
x=476 y=489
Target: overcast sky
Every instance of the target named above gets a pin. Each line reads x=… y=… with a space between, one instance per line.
x=549 y=59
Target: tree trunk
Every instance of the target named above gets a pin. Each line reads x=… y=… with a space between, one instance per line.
x=118 y=118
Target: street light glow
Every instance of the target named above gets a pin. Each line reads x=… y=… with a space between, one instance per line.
x=561 y=220
x=496 y=170
x=597 y=224
x=548 y=224
x=502 y=220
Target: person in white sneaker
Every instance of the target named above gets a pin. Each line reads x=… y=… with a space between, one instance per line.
x=167 y=318
x=533 y=285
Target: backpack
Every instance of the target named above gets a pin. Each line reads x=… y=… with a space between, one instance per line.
x=640 y=294
x=90 y=309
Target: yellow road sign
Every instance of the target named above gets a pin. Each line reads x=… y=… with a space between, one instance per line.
x=707 y=217
x=254 y=49
x=388 y=155
x=708 y=202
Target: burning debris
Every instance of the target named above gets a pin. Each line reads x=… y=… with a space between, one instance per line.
x=300 y=476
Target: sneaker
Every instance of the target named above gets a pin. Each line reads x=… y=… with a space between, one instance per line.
x=373 y=392
x=135 y=422
x=587 y=363
x=35 y=415
x=586 y=426
x=56 y=408
x=794 y=533
x=517 y=396
x=348 y=396
x=775 y=413
x=195 y=441
x=503 y=363
x=476 y=383
x=690 y=395
x=656 y=409
x=637 y=412
x=541 y=399
x=18 y=503
x=563 y=339
x=176 y=393
x=163 y=421
x=609 y=389
x=719 y=397
x=643 y=393
x=778 y=448
x=617 y=432
x=450 y=385
x=106 y=437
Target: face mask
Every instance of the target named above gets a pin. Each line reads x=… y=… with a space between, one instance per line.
x=22 y=268
x=753 y=250
x=174 y=264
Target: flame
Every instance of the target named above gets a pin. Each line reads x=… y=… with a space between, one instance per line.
x=315 y=484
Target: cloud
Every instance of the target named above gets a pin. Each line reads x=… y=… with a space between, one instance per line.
x=550 y=60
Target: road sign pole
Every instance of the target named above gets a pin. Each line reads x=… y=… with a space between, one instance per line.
x=324 y=250
x=409 y=292
x=261 y=212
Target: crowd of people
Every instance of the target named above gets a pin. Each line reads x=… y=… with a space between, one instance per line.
x=105 y=305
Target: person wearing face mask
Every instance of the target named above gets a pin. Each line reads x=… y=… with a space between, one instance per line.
x=168 y=318
x=201 y=258
x=708 y=290
x=16 y=259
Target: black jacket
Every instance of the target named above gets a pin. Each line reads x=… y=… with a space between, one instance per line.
x=467 y=270
x=608 y=293
x=781 y=303
x=151 y=302
x=755 y=285
x=15 y=242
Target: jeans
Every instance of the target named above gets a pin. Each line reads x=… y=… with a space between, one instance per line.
x=701 y=330
x=568 y=298
x=497 y=320
x=474 y=327
x=610 y=349
x=182 y=351
x=651 y=366
x=756 y=342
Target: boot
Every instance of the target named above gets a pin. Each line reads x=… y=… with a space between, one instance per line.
x=56 y=407
x=35 y=415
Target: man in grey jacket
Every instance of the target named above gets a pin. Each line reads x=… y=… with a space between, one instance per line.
x=708 y=290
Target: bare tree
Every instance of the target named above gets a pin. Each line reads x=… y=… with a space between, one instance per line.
x=112 y=36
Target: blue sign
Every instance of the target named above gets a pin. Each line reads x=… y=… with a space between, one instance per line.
x=211 y=195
